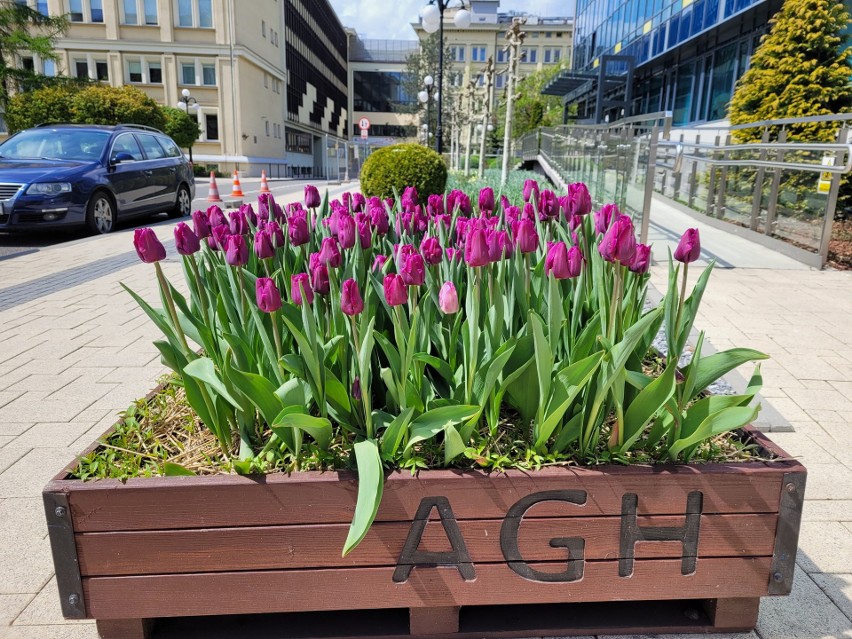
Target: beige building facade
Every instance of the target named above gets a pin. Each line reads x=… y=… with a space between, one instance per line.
x=247 y=64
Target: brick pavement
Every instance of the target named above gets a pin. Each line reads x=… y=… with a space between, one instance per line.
x=75 y=350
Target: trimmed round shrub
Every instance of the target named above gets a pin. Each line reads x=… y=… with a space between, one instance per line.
x=402 y=165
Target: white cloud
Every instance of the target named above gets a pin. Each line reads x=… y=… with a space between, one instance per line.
x=391 y=19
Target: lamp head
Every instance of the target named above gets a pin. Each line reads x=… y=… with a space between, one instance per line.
x=185 y=93
x=462 y=18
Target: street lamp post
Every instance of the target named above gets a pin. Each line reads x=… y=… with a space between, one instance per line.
x=433 y=20
x=186 y=102
x=425 y=96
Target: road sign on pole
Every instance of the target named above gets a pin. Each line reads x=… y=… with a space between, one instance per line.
x=364 y=124
x=364 y=133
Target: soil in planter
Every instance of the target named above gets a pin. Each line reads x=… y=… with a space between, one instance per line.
x=153 y=434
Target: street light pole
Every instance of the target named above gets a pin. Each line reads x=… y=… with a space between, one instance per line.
x=187 y=102
x=516 y=38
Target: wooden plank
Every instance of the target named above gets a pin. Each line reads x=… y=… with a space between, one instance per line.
x=317 y=546
x=125 y=628
x=434 y=621
x=309 y=498
x=733 y=614
x=341 y=589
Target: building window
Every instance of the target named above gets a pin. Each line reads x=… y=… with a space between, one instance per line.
x=144 y=9
x=97 y=9
x=477 y=54
x=187 y=70
x=552 y=55
x=76 y=10
x=500 y=81
x=458 y=53
x=502 y=55
x=298 y=142
x=134 y=70
x=142 y=70
x=198 y=73
x=211 y=127
x=90 y=68
x=195 y=13
x=530 y=56
x=267 y=128
x=86 y=10
x=208 y=74
x=50 y=68
x=380 y=91
x=155 y=73
x=102 y=71
x=263 y=28
x=130 y=12
x=150 y=7
x=28 y=63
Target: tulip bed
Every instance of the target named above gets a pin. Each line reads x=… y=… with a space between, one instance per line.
x=413 y=334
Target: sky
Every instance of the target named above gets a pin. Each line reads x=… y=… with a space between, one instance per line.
x=391 y=18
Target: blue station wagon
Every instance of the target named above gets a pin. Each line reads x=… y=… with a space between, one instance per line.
x=86 y=175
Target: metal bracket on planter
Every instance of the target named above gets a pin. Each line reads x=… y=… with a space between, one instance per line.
x=787 y=533
x=64 y=550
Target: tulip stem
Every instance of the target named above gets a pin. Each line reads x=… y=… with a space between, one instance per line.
x=170 y=303
x=276 y=335
x=365 y=392
x=676 y=328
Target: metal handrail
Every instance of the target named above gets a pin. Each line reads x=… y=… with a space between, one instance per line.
x=833 y=117
x=759 y=146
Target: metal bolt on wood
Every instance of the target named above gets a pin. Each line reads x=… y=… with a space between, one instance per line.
x=73 y=599
x=60 y=511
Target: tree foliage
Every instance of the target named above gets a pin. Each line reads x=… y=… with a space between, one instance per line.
x=180 y=126
x=90 y=104
x=401 y=165
x=532 y=109
x=801 y=68
x=24 y=30
x=417 y=67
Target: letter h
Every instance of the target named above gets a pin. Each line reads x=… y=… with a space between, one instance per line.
x=632 y=532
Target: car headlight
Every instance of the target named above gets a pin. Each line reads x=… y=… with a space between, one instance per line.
x=49 y=188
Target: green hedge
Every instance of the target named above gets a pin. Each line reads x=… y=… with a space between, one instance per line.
x=402 y=165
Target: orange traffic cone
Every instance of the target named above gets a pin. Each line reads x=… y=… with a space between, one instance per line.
x=264 y=185
x=214 y=190
x=238 y=190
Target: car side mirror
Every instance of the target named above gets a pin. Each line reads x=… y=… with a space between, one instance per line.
x=122 y=156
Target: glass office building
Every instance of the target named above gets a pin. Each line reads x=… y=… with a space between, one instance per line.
x=688 y=54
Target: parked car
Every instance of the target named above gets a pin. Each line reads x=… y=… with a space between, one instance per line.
x=87 y=175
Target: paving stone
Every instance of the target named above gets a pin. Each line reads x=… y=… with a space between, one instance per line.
x=53 y=434
x=807 y=613
x=11 y=606
x=821 y=544
x=44 y=410
x=10 y=455
x=5 y=439
x=839 y=588
x=21 y=517
x=27 y=476
x=826 y=481
x=27 y=566
x=826 y=509
x=820 y=399
x=44 y=609
x=76 y=630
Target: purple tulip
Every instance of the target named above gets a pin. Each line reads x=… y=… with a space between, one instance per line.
x=642 y=260
x=526 y=237
x=263 y=245
x=148 y=246
x=575 y=261
x=356 y=389
x=409 y=198
x=312 y=197
x=346 y=230
x=486 y=200
x=579 y=200
x=297 y=229
x=247 y=210
x=547 y=204
x=379 y=262
x=448 y=299
x=218 y=237
x=265 y=205
x=319 y=279
x=329 y=253
x=458 y=200
x=236 y=250
x=186 y=241
x=396 y=292
x=239 y=223
x=476 y=249
x=216 y=217
x=201 y=224
x=432 y=251
x=556 y=262
x=504 y=202
x=435 y=205
x=379 y=219
x=358 y=202
x=689 y=247
x=499 y=245
x=619 y=242
x=605 y=216
x=530 y=190
x=300 y=284
x=268 y=295
x=350 y=298
x=275 y=233
x=413 y=270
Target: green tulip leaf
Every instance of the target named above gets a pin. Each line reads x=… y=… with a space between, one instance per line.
x=317 y=427
x=204 y=371
x=370 y=486
x=709 y=369
x=171 y=469
x=725 y=420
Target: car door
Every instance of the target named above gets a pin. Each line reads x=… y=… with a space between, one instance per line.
x=126 y=175
x=173 y=160
x=159 y=176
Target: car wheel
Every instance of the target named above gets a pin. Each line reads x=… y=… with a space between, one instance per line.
x=100 y=214
x=183 y=205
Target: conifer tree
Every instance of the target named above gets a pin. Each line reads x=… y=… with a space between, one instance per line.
x=801 y=68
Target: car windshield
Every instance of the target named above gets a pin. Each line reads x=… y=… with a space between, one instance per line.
x=55 y=144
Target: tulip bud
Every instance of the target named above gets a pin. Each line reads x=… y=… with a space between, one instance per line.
x=504 y=202
x=297 y=229
x=619 y=242
x=579 y=200
x=350 y=298
x=356 y=389
x=530 y=190
x=396 y=292
x=276 y=233
x=642 y=260
x=346 y=230
x=148 y=246
x=548 y=207
x=358 y=202
x=526 y=237
x=186 y=241
x=689 y=247
x=431 y=249
x=263 y=245
x=365 y=230
x=435 y=205
x=268 y=296
x=499 y=245
x=409 y=198
x=300 y=289
x=236 y=250
x=329 y=253
x=413 y=270
x=575 y=261
x=486 y=200
x=448 y=299
x=379 y=262
x=218 y=237
x=248 y=212
x=239 y=224
x=216 y=216
x=476 y=249
x=319 y=279
x=312 y=197
x=265 y=205
x=605 y=216
x=556 y=262
x=201 y=224
x=379 y=219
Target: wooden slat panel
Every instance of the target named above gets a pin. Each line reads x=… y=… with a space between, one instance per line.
x=310 y=498
x=282 y=591
x=317 y=546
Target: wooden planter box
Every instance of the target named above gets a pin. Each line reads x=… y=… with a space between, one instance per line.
x=453 y=553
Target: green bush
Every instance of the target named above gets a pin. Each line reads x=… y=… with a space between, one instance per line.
x=203 y=170
x=50 y=105
x=181 y=127
x=402 y=165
